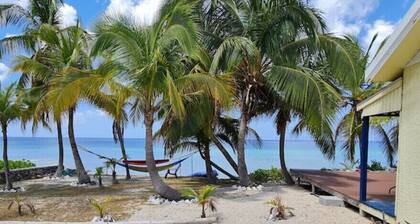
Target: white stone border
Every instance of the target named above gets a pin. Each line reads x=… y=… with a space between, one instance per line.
x=195 y=221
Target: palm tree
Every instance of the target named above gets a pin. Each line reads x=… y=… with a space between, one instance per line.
x=247 y=36
x=64 y=53
x=10 y=109
x=30 y=19
x=204 y=198
x=153 y=58
x=354 y=91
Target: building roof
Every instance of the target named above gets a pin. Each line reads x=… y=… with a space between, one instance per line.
x=400 y=48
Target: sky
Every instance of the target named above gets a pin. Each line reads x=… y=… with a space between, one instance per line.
x=361 y=18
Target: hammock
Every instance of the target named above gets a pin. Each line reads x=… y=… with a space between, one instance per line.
x=140 y=166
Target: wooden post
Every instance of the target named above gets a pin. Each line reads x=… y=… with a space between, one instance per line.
x=364 y=145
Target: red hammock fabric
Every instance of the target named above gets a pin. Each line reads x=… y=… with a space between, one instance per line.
x=143 y=162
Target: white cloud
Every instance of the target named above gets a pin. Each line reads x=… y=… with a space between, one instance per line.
x=144 y=12
x=86 y=116
x=350 y=17
x=4 y=71
x=67 y=15
x=23 y=3
x=346 y=16
x=382 y=28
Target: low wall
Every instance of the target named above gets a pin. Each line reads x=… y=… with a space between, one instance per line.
x=29 y=173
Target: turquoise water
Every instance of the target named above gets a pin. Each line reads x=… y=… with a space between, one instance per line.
x=299 y=154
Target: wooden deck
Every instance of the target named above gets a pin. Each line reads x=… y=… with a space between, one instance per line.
x=347 y=183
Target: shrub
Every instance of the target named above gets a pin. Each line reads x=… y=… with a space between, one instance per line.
x=375 y=166
x=266 y=175
x=17 y=164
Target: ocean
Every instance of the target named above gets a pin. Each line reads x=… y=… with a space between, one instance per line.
x=300 y=154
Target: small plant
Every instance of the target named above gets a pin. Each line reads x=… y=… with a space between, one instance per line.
x=20 y=203
x=349 y=165
x=266 y=175
x=111 y=163
x=204 y=198
x=101 y=208
x=278 y=209
x=375 y=166
x=98 y=174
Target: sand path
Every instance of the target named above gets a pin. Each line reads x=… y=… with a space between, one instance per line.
x=250 y=208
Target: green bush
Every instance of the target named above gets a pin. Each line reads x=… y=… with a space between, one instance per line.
x=375 y=166
x=17 y=164
x=266 y=175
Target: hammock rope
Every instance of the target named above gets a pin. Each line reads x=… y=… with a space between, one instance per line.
x=142 y=168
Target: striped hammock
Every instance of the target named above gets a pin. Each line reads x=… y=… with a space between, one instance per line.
x=139 y=167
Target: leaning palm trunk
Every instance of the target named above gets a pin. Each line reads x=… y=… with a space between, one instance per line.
x=60 y=167
x=160 y=187
x=82 y=176
x=8 y=185
x=285 y=172
x=225 y=153
x=240 y=148
x=123 y=152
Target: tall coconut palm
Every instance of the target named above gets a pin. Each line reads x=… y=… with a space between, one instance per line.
x=153 y=57
x=113 y=103
x=10 y=109
x=64 y=52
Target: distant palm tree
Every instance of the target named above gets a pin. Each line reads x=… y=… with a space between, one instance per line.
x=30 y=19
x=10 y=109
x=153 y=62
x=354 y=90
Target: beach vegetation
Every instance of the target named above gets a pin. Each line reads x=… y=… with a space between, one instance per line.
x=99 y=171
x=17 y=164
x=111 y=164
x=10 y=111
x=20 y=203
x=204 y=197
x=349 y=165
x=101 y=207
x=273 y=175
x=375 y=166
x=278 y=210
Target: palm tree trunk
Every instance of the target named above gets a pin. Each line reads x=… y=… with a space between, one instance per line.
x=285 y=172
x=8 y=185
x=240 y=150
x=60 y=167
x=225 y=153
x=123 y=152
x=160 y=187
x=205 y=154
x=82 y=176
x=203 y=211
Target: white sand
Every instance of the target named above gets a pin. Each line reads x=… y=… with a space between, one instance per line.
x=250 y=207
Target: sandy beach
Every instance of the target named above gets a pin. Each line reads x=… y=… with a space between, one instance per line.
x=250 y=207
x=60 y=200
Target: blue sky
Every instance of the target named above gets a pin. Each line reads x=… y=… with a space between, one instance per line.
x=363 y=18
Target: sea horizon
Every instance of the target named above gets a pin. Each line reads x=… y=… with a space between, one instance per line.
x=300 y=154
